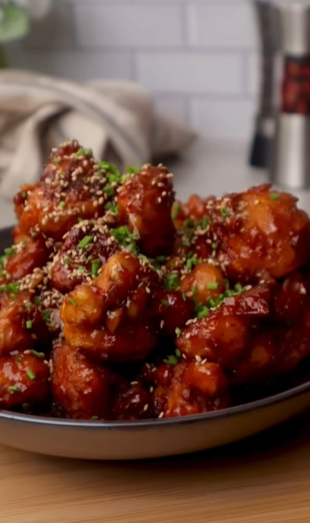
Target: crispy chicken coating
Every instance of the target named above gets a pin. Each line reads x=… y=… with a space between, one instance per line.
x=73 y=186
x=80 y=388
x=23 y=379
x=110 y=320
x=144 y=202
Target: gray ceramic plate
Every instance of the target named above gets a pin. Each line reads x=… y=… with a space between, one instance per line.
x=147 y=439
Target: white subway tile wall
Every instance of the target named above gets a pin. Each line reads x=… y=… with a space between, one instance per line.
x=199 y=57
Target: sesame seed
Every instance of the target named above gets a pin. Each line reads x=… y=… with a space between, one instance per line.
x=162 y=323
x=198 y=358
x=145 y=408
x=161 y=415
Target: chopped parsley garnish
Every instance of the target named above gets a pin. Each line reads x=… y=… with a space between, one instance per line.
x=27 y=305
x=37 y=354
x=171 y=281
x=47 y=315
x=178 y=332
x=224 y=212
x=31 y=375
x=14 y=388
x=171 y=360
x=132 y=169
x=57 y=160
x=176 y=208
x=95 y=267
x=274 y=196
x=83 y=243
x=212 y=286
x=67 y=261
x=86 y=152
x=72 y=301
x=29 y=324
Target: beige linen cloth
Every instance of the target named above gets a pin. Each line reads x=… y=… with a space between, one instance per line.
x=116 y=119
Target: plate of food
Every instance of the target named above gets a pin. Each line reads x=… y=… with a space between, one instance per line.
x=135 y=326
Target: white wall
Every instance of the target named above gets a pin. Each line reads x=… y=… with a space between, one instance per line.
x=197 y=56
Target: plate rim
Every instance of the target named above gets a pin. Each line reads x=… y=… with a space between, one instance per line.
x=155 y=422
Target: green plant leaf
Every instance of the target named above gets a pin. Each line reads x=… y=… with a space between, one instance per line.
x=14 y=23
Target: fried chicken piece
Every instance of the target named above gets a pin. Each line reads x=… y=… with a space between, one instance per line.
x=204 y=282
x=144 y=202
x=109 y=319
x=80 y=388
x=224 y=335
x=21 y=323
x=194 y=388
x=23 y=257
x=172 y=309
x=87 y=247
x=23 y=379
x=260 y=231
x=131 y=402
x=73 y=185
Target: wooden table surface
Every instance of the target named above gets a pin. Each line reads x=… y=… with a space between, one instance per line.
x=263 y=480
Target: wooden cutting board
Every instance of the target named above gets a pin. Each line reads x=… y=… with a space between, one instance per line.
x=263 y=480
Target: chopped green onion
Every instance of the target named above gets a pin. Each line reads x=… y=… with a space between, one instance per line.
x=238 y=287
x=29 y=324
x=67 y=261
x=72 y=301
x=224 y=212
x=31 y=375
x=37 y=300
x=274 y=196
x=214 y=246
x=79 y=220
x=178 y=332
x=82 y=152
x=108 y=189
x=171 y=360
x=56 y=160
x=131 y=169
x=178 y=353
x=9 y=252
x=37 y=354
x=195 y=289
x=176 y=208
x=205 y=222
x=81 y=268
x=83 y=243
x=212 y=286
x=95 y=267
x=28 y=305
x=24 y=195
x=94 y=418
x=109 y=167
x=11 y=287
x=165 y=303
x=14 y=388
x=171 y=281
x=62 y=205
x=47 y=315
x=184 y=297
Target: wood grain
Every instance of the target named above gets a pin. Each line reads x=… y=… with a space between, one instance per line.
x=263 y=480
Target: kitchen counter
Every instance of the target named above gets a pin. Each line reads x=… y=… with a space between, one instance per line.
x=265 y=479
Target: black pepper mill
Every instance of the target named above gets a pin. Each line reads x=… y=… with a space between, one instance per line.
x=265 y=120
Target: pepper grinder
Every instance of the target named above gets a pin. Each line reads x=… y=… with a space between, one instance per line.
x=290 y=165
x=265 y=119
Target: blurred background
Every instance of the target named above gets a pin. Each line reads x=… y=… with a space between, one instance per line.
x=198 y=57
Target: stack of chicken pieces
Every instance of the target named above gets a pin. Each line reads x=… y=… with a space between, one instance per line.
x=119 y=303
